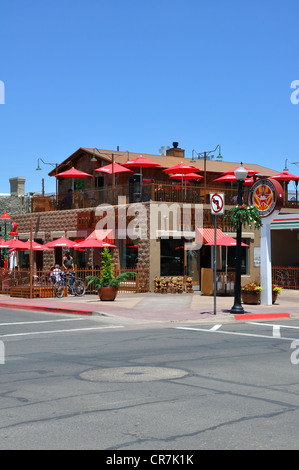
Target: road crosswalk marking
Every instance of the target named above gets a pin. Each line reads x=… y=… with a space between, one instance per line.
x=276 y=333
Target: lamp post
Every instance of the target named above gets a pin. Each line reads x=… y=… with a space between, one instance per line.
x=237 y=308
x=5 y=217
x=205 y=155
x=54 y=165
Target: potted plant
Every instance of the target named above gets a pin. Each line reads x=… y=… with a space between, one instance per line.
x=251 y=293
x=107 y=284
x=275 y=292
x=242 y=214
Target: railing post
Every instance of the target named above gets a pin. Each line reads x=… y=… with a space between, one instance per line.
x=152 y=191
x=137 y=278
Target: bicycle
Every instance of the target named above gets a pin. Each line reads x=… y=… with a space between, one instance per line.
x=74 y=286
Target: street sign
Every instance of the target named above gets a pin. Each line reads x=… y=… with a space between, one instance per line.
x=217 y=203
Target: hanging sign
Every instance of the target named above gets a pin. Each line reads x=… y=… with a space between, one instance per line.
x=217 y=203
x=267 y=196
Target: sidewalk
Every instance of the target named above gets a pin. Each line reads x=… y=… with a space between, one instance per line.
x=149 y=307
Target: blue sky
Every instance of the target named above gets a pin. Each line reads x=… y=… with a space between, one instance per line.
x=142 y=74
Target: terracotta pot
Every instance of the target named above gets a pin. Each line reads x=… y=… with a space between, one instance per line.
x=107 y=293
x=274 y=297
x=252 y=298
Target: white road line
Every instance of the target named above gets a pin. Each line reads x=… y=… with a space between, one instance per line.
x=271 y=324
x=234 y=333
x=41 y=321
x=276 y=331
x=215 y=327
x=59 y=331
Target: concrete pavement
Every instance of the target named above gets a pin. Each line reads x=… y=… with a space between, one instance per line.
x=160 y=308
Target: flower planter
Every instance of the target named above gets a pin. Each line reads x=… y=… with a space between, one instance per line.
x=252 y=297
x=107 y=293
x=274 y=297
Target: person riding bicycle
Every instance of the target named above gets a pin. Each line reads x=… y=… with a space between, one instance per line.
x=67 y=262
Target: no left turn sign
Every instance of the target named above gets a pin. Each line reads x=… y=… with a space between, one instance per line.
x=217 y=203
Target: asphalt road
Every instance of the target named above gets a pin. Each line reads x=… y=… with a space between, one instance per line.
x=71 y=382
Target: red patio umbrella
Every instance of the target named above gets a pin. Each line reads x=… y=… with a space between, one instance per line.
x=104 y=235
x=187 y=176
x=35 y=246
x=140 y=162
x=73 y=173
x=93 y=243
x=249 y=171
x=113 y=168
x=14 y=243
x=181 y=168
x=231 y=179
x=285 y=176
x=61 y=242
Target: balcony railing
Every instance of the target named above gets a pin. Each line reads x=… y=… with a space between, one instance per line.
x=160 y=192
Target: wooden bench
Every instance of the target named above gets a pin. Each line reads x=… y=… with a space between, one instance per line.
x=37 y=292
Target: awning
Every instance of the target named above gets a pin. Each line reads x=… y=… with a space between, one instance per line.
x=207 y=235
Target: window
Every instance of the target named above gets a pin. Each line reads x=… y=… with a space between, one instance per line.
x=172 y=257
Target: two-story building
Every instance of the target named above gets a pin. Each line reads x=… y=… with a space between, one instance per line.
x=146 y=228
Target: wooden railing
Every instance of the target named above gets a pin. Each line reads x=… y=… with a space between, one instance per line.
x=159 y=192
x=41 y=279
x=286 y=276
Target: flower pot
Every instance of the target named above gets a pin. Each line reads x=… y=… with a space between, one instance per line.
x=250 y=297
x=107 y=293
x=274 y=297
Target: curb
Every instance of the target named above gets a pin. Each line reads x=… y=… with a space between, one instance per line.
x=261 y=316
x=42 y=308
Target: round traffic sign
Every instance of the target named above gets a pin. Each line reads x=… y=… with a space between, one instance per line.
x=217 y=203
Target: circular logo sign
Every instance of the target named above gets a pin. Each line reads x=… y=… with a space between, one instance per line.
x=266 y=195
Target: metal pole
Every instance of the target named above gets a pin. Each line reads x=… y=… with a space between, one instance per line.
x=237 y=307
x=5 y=250
x=30 y=259
x=215 y=262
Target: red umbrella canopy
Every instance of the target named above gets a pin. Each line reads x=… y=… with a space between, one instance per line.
x=113 y=168
x=94 y=243
x=232 y=179
x=140 y=162
x=62 y=241
x=73 y=173
x=181 y=168
x=105 y=235
x=14 y=243
x=249 y=171
x=5 y=216
x=187 y=176
x=226 y=241
x=35 y=246
x=285 y=176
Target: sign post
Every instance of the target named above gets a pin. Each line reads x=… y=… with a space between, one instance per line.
x=267 y=196
x=217 y=207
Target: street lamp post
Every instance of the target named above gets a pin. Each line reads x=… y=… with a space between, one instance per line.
x=54 y=165
x=205 y=155
x=5 y=217
x=237 y=308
